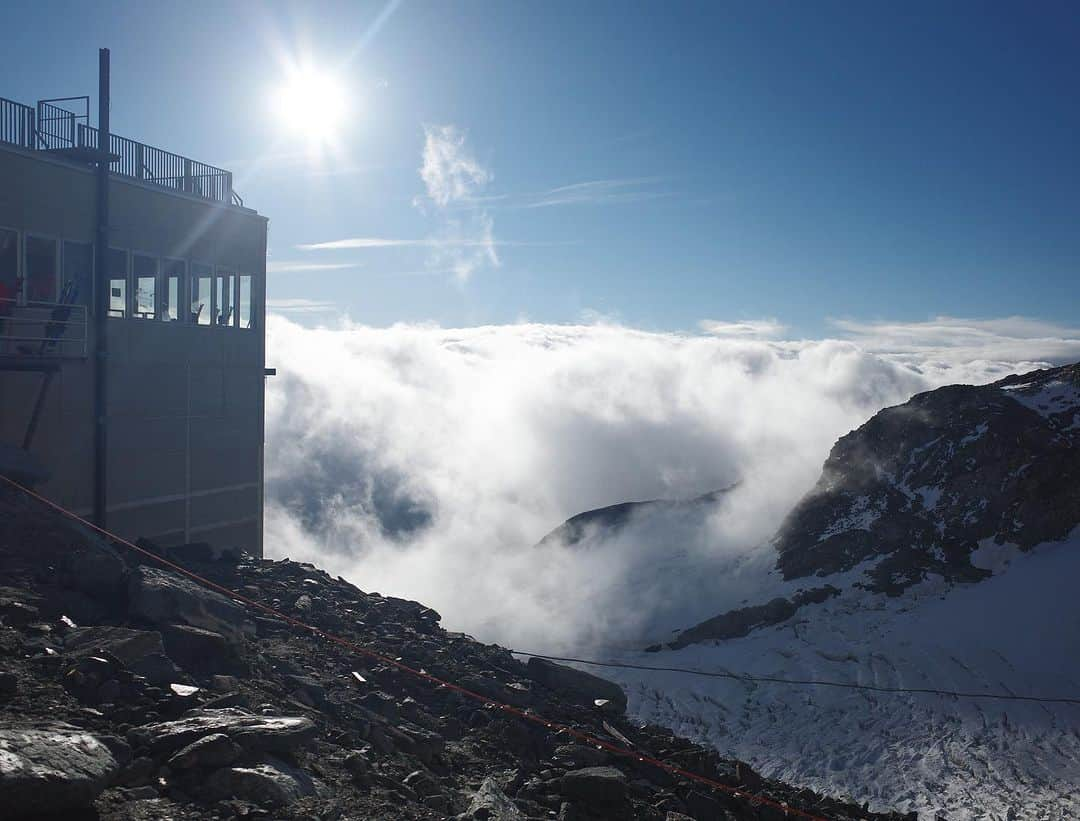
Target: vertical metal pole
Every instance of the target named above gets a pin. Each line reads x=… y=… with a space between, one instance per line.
x=101 y=294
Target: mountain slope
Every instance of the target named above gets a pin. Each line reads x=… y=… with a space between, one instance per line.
x=176 y=702
x=939 y=549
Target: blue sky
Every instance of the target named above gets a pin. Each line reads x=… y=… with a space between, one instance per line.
x=660 y=164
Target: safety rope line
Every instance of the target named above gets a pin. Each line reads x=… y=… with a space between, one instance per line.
x=553 y=726
x=802 y=682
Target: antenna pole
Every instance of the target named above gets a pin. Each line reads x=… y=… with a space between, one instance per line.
x=101 y=294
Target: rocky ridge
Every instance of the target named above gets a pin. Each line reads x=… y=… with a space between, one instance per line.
x=936 y=487
x=130 y=692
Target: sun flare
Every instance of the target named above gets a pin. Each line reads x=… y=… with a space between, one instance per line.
x=312 y=103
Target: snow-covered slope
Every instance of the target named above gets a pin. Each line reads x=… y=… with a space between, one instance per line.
x=940 y=549
x=1017 y=632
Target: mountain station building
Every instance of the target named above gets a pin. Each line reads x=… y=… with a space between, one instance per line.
x=131 y=371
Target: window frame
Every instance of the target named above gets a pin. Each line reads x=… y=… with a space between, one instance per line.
x=251 y=302
x=133 y=282
x=230 y=271
x=183 y=292
x=57 y=244
x=109 y=277
x=192 y=278
x=88 y=302
x=20 y=280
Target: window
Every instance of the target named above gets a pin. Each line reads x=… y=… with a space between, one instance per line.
x=144 y=269
x=10 y=284
x=78 y=280
x=172 y=279
x=41 y=269
x=117 y=283
x=224 y=294
x=244 y=305
x=201 y=280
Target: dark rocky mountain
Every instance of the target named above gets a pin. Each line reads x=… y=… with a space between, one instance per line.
x=923 y=488
x=922 y=484
x=612 y=519
x=128 y=691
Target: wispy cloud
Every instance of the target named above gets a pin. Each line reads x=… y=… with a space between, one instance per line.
x=746 y=329
x=290 y=267
x=384 y=242
x=450 y=172
x=463 y=237
x=464 y=240
x=301 y=306
x=591 y=192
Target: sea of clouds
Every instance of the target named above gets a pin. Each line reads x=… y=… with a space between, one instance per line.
x=427 y=462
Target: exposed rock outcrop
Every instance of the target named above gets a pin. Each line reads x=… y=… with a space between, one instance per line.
x=48 y=767
x=924 y=483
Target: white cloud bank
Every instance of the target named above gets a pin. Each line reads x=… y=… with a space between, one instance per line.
x=427 y=462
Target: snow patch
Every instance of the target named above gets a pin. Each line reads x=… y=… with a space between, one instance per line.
x=1047 y=400
x=994 y=557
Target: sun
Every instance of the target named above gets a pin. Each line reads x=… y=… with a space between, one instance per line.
x=311 y=103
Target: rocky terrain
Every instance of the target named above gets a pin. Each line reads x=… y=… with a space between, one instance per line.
x=128 y=691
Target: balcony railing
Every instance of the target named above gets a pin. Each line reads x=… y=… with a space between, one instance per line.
x=154 y=165
x=55 y=129
x=47 y=329
x=16 y=124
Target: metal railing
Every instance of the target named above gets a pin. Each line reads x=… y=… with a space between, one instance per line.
x=56 y=126
x=48 y=329
x=52 y=128
x=155 y=165
x=17 y=126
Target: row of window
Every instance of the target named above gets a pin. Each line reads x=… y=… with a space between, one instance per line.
x=141 y=286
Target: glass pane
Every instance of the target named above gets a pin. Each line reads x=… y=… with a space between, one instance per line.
x=117 y=282
x=40 y=269
x=78 y=286
x=145 y=271
x=224 y=294
x=244 y=306
x=9 y=269
x=201 y=282
x=172 y=277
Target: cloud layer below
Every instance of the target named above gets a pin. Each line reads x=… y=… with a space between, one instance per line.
x=427 y=462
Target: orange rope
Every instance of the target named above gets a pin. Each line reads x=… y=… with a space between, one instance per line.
x=356 y=648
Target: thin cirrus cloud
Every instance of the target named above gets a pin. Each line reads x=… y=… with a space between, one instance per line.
x=301 y=306
x=384 y=242
x=592 y=192
x=290 y=267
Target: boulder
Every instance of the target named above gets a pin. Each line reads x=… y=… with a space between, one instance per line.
x=95 y=568
x=491 y=803
x=50 y=768
x=595 y=785
x=252 y=732
x=211 y=752
x=584 y=687
x=581 y=755
x=161 y=597
x=141 y=651
x=272 y=783
x=203 y=652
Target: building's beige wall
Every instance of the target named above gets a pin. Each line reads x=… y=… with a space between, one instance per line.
x=185 y=403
